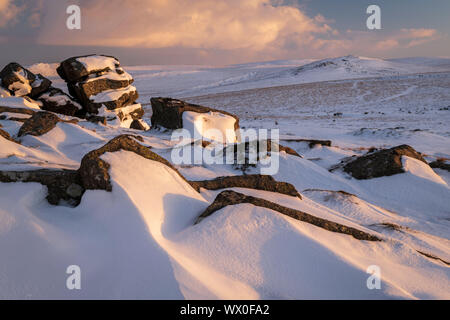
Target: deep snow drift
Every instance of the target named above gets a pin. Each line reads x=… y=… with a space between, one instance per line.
x=140 y=240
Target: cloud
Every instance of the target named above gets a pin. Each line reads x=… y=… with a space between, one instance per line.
x=416 y=37
x=375 y=43
x=8 y=12
x=239 y=30
x=219 y=24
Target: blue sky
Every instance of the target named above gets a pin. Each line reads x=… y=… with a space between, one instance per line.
x=396 y=14
x=221 y=31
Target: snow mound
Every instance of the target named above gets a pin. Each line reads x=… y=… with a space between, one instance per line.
x=420 y=169
x=355 y=66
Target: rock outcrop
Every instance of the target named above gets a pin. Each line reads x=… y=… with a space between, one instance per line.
x=381 y=163
x=70 y=185
x=228 y=198
x=103 y=88
x=22 y=82
x=253 y=181
x=94 y=171
x=62 y=185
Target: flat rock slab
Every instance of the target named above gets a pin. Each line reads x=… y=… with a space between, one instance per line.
x=126 y=99
x=311 y=142
x=85 y=89
x=251 y=181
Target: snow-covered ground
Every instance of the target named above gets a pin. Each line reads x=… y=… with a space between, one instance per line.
x=140 y=241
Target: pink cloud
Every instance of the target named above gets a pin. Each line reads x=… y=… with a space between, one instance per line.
x=247 y=29
x=8 y=12
x=219 y=24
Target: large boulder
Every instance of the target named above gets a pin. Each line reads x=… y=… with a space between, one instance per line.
x=103 y=88
x=17 y=79
x=168 y=112
x=77 y=69
x=38 y=124
x=381 y=163
x=94 y=171
x=58 y=101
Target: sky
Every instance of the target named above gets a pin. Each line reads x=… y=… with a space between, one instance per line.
x=221 y=32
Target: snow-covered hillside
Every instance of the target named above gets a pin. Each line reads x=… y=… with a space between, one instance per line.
x=188 y=81
x=143 y=238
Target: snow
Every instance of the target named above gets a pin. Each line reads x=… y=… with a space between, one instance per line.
x=93 y=63
x=45 y=69
x=189 y=81
x=60 y=99
x=111 y=95
x=112 y=75
x=19 y=102
x=420 y=169
x=140 y=242
x=212 y=126
x=125 y=111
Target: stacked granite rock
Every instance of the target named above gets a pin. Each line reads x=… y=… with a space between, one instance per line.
x=104 y=89
x=20 y=82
